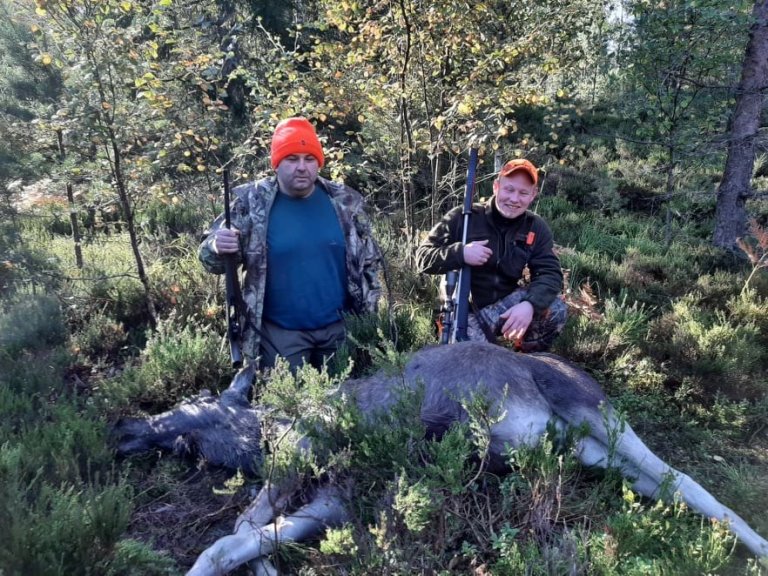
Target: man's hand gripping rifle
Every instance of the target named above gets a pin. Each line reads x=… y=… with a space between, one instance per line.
x=234 y=299
x=455 y=309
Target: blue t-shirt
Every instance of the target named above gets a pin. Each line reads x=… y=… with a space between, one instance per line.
x=306 y=263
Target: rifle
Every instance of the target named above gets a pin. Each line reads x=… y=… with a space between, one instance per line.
x=233 y=290
x=456 y=309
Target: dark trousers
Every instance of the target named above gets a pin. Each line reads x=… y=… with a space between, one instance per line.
x=300 y=346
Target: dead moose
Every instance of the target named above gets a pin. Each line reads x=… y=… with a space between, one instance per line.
x=527 y=391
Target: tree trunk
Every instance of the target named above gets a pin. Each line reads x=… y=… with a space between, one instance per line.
x=72 y=208
x=406 y=140
x=125 y=203
x=731 y=213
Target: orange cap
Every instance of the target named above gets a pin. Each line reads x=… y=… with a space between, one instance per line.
x=520 y=164
x=295 y=136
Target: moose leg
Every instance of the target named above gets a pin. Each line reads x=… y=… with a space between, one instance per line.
x=229 y=552
x=267 y=503
x=652 y=475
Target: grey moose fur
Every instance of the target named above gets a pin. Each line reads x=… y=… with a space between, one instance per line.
x=526 y=392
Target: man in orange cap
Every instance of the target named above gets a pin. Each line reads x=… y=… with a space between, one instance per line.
x=306 y=247
x=504 y=238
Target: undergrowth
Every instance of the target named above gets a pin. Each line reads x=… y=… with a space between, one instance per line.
x=676 y=331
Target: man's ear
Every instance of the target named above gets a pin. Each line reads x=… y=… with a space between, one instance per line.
x=495 y=185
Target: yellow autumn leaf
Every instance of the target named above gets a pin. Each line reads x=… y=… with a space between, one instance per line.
x=106 y=105
x=46 y=59
x=201 y=168
x=126 y=6
x=40 y=11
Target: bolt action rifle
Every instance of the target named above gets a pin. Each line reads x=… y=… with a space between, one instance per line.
x=234 y=298
x=455 y=309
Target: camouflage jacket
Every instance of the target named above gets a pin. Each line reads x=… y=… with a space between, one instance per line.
x=250 y=215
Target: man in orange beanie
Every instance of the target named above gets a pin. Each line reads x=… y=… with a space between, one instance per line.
x=306 y=247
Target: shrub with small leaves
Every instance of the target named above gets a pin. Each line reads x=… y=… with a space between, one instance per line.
x=32 y=323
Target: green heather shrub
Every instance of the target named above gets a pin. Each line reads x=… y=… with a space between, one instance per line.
x=63 y=506
x=121 y=298
x=34 y=374
x=553 y=208
x=716 y=288
x=134 y=558
x=100 y=337
x=177 y=362
x=622 y=327
x=32 y=323
x=634 y=372
x=749 y=308
x=67 y=447
x=592 y=269
x=23 y=267
x=58 y=529
x=339 y=542
x=400 y=330
x=165 y=218
x=583 y=189
x=183 y=287
x=723 y=356
x=662 y=539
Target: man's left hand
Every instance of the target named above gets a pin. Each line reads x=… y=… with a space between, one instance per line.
x=516 y=320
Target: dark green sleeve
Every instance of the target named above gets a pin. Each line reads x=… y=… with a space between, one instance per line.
x=442 y=250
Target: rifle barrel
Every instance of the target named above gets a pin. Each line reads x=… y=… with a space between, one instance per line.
x=233 y=289
x=462 y=298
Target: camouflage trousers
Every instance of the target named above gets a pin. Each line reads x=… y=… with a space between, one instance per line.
x=540 y=335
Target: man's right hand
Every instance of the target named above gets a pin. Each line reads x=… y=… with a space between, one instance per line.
x=225 y=241
x=477 y=253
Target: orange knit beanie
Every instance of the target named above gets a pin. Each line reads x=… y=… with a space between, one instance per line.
x=295 y=136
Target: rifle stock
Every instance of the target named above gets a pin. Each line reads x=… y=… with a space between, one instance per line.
x=234 y=299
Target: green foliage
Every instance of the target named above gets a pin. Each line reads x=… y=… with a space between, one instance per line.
x=64 y=506
x=59 y=529
x=663 y=539
x=398 y=92
x=339 y=541
x=183 y=287
x=722 y=355
x=133 y=558
x=120 y=297
x=34 y=323
x=177 y=362
x=382 y=339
